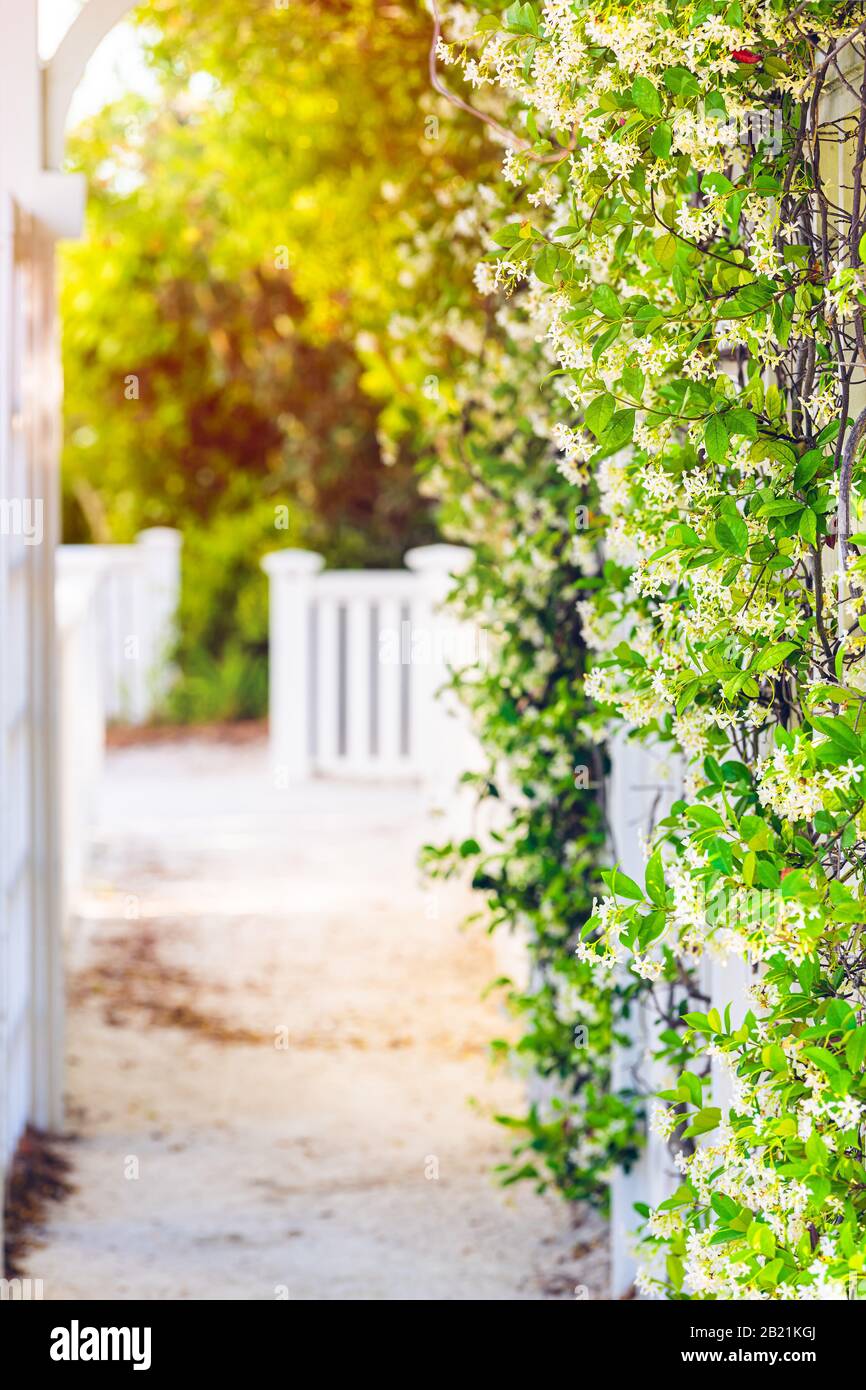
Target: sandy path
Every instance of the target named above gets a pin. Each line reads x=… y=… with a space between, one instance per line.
x=275 y=1036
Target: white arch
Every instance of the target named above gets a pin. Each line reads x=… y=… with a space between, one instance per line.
x=63 y=72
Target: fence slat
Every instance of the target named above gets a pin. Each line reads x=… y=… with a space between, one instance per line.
x=328 y=682
x=358 y=685
x=390 y=675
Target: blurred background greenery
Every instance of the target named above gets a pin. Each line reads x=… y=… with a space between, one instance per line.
x=251 y=219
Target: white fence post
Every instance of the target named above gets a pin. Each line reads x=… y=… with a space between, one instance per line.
x=160 y=548
x=442 y=731
x=638 y=797
x=291 y=574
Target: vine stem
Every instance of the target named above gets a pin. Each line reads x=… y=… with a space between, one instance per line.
x=438 y=85
x=856 y=220
x=830 y=58
x=843 y=514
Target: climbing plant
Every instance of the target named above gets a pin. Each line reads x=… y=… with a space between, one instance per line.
x=535 y=854
x=683 y=225
x=456 y=373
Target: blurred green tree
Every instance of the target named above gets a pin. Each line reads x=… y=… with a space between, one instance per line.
x=252 y=224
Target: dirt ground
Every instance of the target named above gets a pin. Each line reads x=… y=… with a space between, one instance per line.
x=277 y=1073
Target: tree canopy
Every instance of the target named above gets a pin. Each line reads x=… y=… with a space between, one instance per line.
x=226 y=318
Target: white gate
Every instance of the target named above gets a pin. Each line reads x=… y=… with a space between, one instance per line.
x=30 y=1008
x=358 y=659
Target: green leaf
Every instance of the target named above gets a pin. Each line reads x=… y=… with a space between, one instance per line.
x=749 y=299
x=855 y=1048
x=547 y=263
x=760 y=1237
x=681 y=535
x=603 y=342
x=661 y=140
x=741 y=422
x=773 y=656
x=633 y=381
x=675 y=1271
x=690 y=1085
x=716 y=439
x=655 y=879
x=619 y=431
x=774 y=1058
x=683 y=1197
x=724 y=1235
x=808 y=467
x=621 y=885
x=839 y=732
x=645 y=96
x=521 y=18
x=599 y=413
x=705 y=1120
x=823 y=1058
x=725 y=1206
x=665 y=248
x=681 y=82
x=732 y=531
x=699 y=1022
x=606 y=302
x=705 y=816
x=807 y=527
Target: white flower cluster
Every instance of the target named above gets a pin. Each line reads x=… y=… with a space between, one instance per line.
x=795 y=790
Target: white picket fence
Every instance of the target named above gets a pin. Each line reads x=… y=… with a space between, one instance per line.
x=115 y=610
x=358 y=662
x=135 y=590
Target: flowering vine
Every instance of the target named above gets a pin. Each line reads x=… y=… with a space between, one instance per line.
x=682 y=222
x=535 y=853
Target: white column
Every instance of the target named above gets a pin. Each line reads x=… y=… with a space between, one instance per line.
x=161 y=551
x=47 y=1040
x=291 y=574
x=29 y=404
